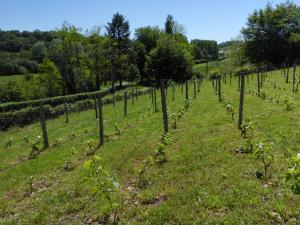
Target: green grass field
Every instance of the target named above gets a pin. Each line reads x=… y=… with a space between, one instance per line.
x=225 y=65
x=204 y=181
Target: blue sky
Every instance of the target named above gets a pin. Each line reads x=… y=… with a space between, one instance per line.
x=220 y=20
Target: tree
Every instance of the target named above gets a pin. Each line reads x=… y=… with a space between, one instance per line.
x=140 y=58
x=118 y=30
x=132 y=73
x=172 y=27
x=96 y=54
x=236 y=52
x=271 y=34
x=69 y=55
x=148 y=36
x=169 y=25
x=49 y=78
x=170 y=60
x=39 y=51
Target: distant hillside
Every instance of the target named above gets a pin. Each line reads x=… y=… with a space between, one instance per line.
x=20 y=52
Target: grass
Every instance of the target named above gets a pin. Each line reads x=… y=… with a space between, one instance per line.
x=225 y=65
x=203 y=181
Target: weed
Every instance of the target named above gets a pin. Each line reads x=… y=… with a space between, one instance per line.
x=293 y=174
x=8 y=143
x=263 y=153
x=102 y=184
x=143 y=180
x=35 y=150
x=90 y=147
x=117 y=130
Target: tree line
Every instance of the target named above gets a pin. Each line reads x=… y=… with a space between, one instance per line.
x=69 y=60
x=272 y=35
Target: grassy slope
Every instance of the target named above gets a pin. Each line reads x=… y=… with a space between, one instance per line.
x=204 y=180
x=225 y=65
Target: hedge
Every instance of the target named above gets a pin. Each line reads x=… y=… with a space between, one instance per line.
x=55 y=101
x=30 y=115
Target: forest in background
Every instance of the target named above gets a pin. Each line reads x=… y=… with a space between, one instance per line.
x=69 y=60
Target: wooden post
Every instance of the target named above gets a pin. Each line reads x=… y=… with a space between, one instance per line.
x=219 y=89
x=164 y=106
x=155 y=102
x=239 y=82
x=43 y=124
x=173 y=92
x=216 y=87
x=125 y=103
x=261 y=79
x=294 y=77
x=287 y=75
x=101 y=127
x=132 y=96
x=195 y=89
x=241 y=108
x=187 y=90
x=198 y=82
x=258 y=84
x=152 y=95
x=96 y=107
x=66 y=111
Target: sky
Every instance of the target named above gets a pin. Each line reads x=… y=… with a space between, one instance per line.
x=219 y=20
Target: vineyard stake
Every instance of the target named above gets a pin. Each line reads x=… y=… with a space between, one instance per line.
x=164 y=106
x=66 y=111
x=187 y=90
x=125 y=103
x=43 y=124
x=241 y=108
x=101 y=128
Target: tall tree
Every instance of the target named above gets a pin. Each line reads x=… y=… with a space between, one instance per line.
x=96 y=54
x=169 y=25
x=148 y=36
x=118 y=30
x=49 y=79
x=271 y=34
x=170 y=60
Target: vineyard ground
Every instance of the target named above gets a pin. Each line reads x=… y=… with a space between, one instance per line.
x=204 y=181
